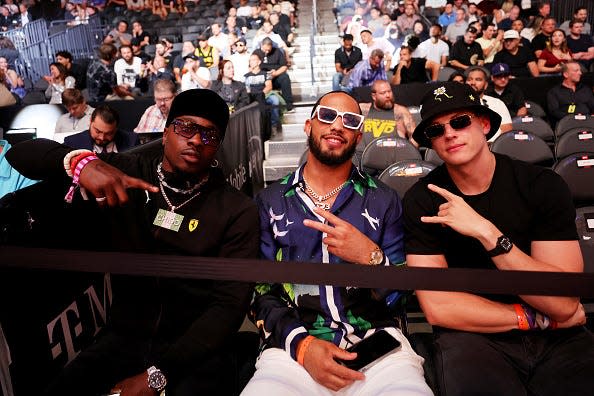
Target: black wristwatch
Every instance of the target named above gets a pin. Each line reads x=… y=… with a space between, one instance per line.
x=156 y=379
x=503 y=245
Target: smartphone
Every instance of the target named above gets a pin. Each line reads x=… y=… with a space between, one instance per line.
x=371 y=350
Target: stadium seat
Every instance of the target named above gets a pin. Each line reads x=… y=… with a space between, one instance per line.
x=445 y=73
x=432 y=157
x=578 y=172
x=384 y=151
x=575 y=140
x=401 y=175
x=536 y=126
x=535 y=110
x=523 y=146
x=573 y=121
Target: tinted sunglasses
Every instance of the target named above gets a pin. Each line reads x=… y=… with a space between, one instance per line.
x=187 y=129
x=349 y=120
x=458 y=122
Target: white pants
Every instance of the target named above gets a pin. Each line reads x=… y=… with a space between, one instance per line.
x=400 y=373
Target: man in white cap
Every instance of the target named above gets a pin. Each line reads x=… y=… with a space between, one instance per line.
x=521 y=61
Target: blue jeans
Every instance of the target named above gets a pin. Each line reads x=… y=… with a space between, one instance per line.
x=274 y=102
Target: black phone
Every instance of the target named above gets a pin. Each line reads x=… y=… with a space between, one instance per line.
x=370 y=350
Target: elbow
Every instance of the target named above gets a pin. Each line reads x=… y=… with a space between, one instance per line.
x=566 y=311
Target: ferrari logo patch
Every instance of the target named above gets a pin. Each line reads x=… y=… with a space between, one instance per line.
x=193 y=224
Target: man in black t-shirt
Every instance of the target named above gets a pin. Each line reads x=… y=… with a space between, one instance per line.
x=275 y=63
x=485 y=210
x=539 y=42
x=411 y=69
x=581 y=45
x=512 y=96
x=466 y=52
x=345 y=58
x=521 y=61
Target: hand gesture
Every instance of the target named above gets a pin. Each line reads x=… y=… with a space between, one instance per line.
x=320 y=364
x=456 y=214
x=343 y=240
x=109 y=184
x=134 y=386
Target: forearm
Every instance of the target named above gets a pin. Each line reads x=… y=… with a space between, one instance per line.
x=457 y=64
x=39 y=159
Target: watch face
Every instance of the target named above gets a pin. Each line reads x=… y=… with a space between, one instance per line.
x=156 y=380
x=376 y=257
x=506 y=244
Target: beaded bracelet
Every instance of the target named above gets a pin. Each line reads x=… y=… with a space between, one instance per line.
x=303 y=348
x=76 y=175
x=522 y=319
x=68 y=158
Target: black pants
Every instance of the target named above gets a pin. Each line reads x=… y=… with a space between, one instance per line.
x=283 y=82
x=559 y=362
x=113 y=358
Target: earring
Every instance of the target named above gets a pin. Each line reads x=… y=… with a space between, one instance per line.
x=215 y=163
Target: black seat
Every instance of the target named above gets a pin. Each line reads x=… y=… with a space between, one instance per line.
x=524 y=146
x=534 y=125
x=573 y=121
x=578 y=172
x=534 y=109
x=384 y=151
x=575 y=140
x=401 y=175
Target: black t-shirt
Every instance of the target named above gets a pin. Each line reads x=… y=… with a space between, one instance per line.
x=512 y=96
x=272 y=61
x=467 y=54
x=414 y=73
x=539 y=42
x=526 y=202
x=347 y=61
x=518 y=63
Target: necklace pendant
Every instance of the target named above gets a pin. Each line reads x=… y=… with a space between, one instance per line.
x=322 y=205
x=168 y=220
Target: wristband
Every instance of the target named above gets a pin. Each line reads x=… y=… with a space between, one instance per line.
x=77 y=159
x=522 y=319
x=302 y=348
x=68 y=158
x=537 y=320
x=76 y=175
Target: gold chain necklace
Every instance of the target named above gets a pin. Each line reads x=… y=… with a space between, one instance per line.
x=318 y=200
x=171 y=206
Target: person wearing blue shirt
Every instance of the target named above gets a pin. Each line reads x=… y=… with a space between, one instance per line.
x=10 y=179
x=331 y=213
x=448 y=16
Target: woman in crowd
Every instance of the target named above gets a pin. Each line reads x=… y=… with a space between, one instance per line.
x=457 y=77
x=6 y=98
x=12 y=80
x=532 y=29
x=233 y=92
x=58 y=81
x=555 y=54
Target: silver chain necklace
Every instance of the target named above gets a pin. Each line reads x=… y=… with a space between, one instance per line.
x=190 y=190
x=171 y=207
x=319 y=200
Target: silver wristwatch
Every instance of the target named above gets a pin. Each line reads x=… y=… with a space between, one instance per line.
x=376 y=257
x=156 y=379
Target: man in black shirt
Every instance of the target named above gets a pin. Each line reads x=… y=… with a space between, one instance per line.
x=162 y=331
x=581 y=45
x=275 y=63
x=485 y=210
x=466 y=52
x=345 y=58
x=511 y=95
x=570 y=97
x=539 y=42
x=520 y=60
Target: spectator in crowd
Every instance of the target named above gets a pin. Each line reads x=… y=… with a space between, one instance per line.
x=245 y=9
x=375 y=22
x=510 y=95
x=219 y=40
x=466 y=52
x=368 y=70
x=73 y=69
x=473 y=14
x=240 y=59
x=119 y=36
x=435 y=49
x=231 y=27
x=6 y=20
x=101 y=79
x=356 y=26
x=8 y=51
x=506 y=23
x=138 y=51
x=159 y=9
x=154 y=117
x=24 y=16
x=158 y=69
x=580 y=45
x=370 y=43
x=384 y=29
x=196 y=76
x=433 y=9
x=259 y=86
x=458 y=77
x=456 y=29
x=283 y=30
x=13 y=8
x=544 y=9
x=164 y=330
x=580 y=14
x=138 y=33
x=209 y=54
x=554 y=54
x=458 y=217
x=518 y=26
x=520 y=60
x=571 y=96
x=383 y=117
x=240 y=21
x=233 y=92
x=78 y=117
x=10 y=179
x=12 y=80
x=164 y=49
x=7 y=98
x=539 y=42
x=128 y=69
x=266 y=32
x=411 y=69
x=491 y=42
x=419 y=31
x=406 y=21
x=254 y=20
x=345 y=58
x=304 y=340
x=275 y=63
x=478 y=78
x=448 y=16
x=532 y=30
x=58 y=80
x=103 y=135
x=179 y=60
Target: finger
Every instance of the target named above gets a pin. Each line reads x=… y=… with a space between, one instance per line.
x=433 y=219
x=347 y=374
x=336 y=382
x=133 y=182
x=121 y=194
x=441 y=191
x=329 y=216
x=316 y=225
x=445 y=205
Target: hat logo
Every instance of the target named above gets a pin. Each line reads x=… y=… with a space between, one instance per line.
x=441 y=91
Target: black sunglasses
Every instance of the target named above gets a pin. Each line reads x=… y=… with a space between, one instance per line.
x=187 y=129
x=458 y=122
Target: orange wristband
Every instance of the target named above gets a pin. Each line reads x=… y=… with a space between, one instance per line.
x=77 y=159
x=303 y=347
x=522 y=320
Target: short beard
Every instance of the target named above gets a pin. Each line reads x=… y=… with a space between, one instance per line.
x=330 y=159
x=387 y=105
